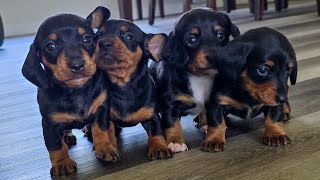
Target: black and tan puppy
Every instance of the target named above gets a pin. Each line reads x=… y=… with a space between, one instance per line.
x=71 y=92
x=253 y=77
x=122 y=53
x=184 y=76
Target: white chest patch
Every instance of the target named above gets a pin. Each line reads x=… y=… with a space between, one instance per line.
x=200 y=88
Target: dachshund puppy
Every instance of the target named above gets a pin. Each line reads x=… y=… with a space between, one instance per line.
x=253 y=73
x=71 y=92
x=184 y=77
x=122 y=53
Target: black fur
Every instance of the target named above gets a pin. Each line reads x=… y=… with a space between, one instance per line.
x=196 y=33
x=60 y=35
x=136 y=90
x=248 y=53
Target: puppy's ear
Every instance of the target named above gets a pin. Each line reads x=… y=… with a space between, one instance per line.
x=32 y=69
x=98 y=16
x=154 y=45
x=235 y=32
x=174 y=52
x=232 y=59
x=294 y=73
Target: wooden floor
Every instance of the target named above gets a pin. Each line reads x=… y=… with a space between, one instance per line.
x=23 y=154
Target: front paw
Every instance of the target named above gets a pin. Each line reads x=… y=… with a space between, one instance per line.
x=69 y=138
x=177 y=147
x=106 y=152
x=64 y=167
x=276 y=140
x=213 y=145
x=158 y=148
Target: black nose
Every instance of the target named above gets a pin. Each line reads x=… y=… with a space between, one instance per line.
x=77 y=67
x=281 y=99
x=105 y=45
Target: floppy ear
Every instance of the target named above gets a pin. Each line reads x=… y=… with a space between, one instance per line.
x=98 y=16
x=174 y=52
x=154 y=45
x=231 y=60
x=32 y=69
x=294 y=73
x=235 y=32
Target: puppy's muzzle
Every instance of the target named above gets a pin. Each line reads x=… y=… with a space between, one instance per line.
x=77 y=67
x=281 y=99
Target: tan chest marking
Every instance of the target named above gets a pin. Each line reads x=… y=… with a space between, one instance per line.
x=225 y=100
x=64 y=117
x=185 y=98
x=142 y=114
x=97 y=102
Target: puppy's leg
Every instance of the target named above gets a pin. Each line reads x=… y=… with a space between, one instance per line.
x=274 y=134
x=158 y=148
x=201 y=121
x=104 y=139
x=58 y=149
x=173 y=129
x=69 y=138
x=216 y=132
x=286 y=111
x=87 y=132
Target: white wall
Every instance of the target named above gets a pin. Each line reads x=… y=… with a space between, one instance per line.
x=21 y=17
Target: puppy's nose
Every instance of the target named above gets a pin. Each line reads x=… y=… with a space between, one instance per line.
x=105 y=45
x=281 y=99
x=77 y=67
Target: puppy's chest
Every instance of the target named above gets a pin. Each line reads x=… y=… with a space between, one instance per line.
x=200 y=88
x=132 y=105
x=78 y=107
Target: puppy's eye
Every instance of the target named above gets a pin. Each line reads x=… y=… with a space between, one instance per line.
x=263 y=70
x=128 y=37
x=87 y=39
x=192 y=41
x=50 y=46
x=221 y=36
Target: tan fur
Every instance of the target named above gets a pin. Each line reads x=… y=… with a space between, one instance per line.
x=265 y=93
x=200 y=65
x=62 y=72
x=174 y=134
x=217 y=134
x=225 y=100
x=142 y=114
x=53 y=36
x=122 y=63
x=185 y=98
x=60 y=158
x=98 y=102
x=64 y=117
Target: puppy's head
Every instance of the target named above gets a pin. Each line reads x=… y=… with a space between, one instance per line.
x=195 y=33
x=122 y=47
x=265 y=75
x=64 y=46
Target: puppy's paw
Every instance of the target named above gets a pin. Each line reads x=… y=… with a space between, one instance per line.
x=106 y=152
x=66 y=166
x=177 y=147
x=276 y=140
x=158 y=148
x=213 y=145
x=69 y=138
x=87 y=132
